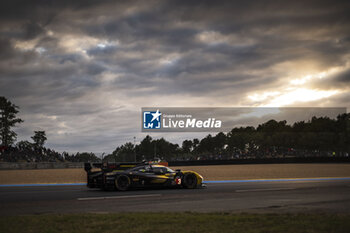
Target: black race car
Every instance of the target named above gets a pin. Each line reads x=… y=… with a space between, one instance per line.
x=124 y=176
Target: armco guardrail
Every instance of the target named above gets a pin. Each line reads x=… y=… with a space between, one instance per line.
x=262 y=161
x=41 y=165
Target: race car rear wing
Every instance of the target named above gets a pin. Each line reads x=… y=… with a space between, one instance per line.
x=107 y=167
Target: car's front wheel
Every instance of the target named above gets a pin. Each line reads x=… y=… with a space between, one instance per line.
x=122 y=182
x=190 y=181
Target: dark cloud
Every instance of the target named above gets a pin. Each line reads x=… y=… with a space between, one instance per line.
x=337 y=80
x=343 y=77
x=80 y=68
x=6 y=49
x=32 y=30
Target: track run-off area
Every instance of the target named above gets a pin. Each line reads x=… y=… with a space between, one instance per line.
x=256 y=188
x=325 y=195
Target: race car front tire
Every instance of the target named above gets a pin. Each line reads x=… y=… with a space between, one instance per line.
x=122 y=182
x=189 y=181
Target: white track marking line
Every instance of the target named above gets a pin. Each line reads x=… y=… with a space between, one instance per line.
x=261 y=190
x=117 y=197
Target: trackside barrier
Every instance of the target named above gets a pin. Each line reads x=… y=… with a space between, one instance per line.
x=261 y=161
x=41 y=165
x=61 y=165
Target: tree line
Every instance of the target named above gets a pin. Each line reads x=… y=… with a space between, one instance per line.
x=319 y=136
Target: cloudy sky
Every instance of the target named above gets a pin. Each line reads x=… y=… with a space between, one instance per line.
x=82 y=71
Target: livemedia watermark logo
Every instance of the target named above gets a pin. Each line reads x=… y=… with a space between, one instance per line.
x=176 y=119
x=152 y=119
x=179 y=120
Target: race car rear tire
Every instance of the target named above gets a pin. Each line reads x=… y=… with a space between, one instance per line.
x=190 y=181
x=122 y=182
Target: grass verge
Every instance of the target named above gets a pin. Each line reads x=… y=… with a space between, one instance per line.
x=177 y=222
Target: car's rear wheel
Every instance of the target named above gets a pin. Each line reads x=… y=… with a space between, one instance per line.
x=190 y=181
x=122 y=182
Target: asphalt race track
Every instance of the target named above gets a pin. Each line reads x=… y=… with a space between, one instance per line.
x=330 y=196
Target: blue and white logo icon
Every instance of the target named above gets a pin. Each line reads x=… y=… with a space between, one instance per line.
x=152 y=120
